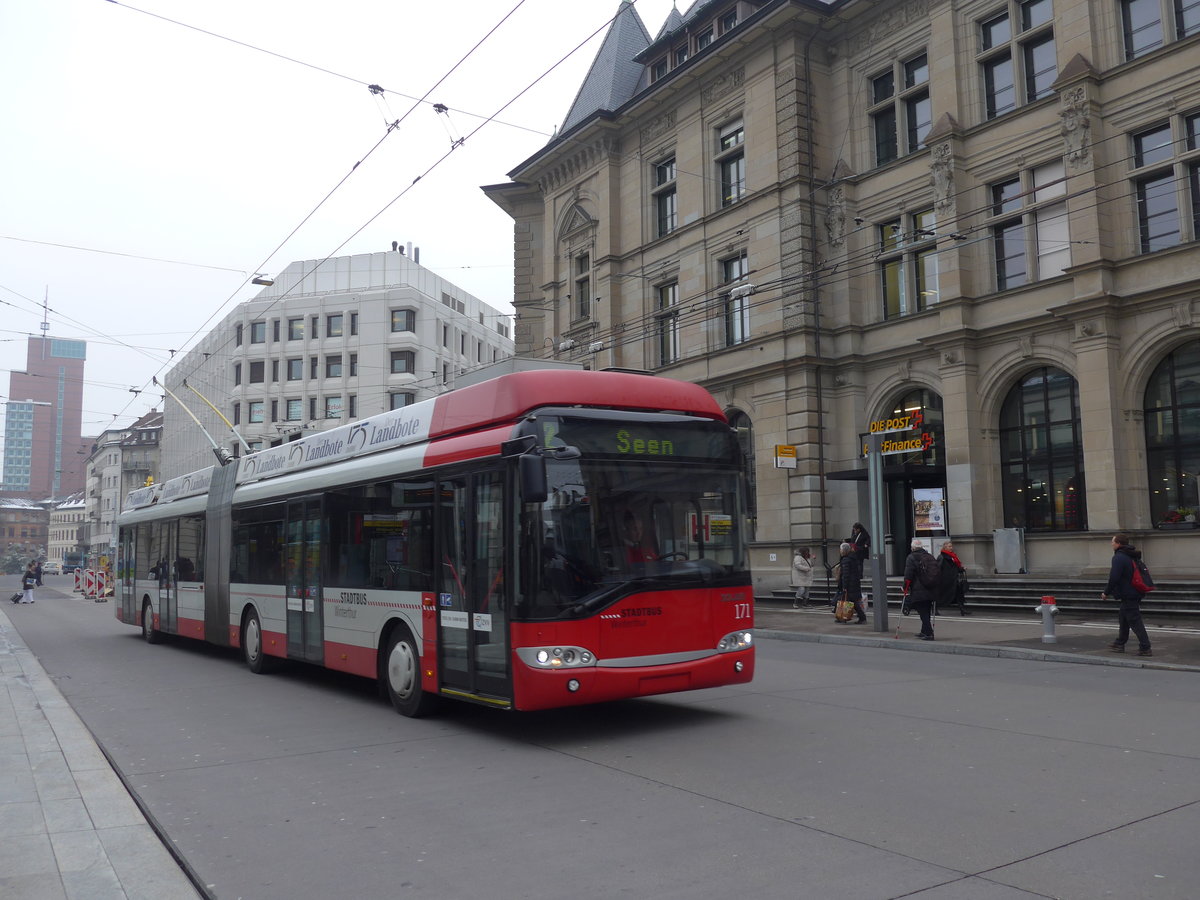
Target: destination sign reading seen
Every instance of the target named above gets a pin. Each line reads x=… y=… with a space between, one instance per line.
x=641 y=440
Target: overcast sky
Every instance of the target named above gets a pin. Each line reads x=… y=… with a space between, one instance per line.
x=188 y=159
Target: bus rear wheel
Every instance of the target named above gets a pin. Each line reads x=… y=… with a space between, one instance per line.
x=402 y=676
x=252 y=645
x=149 y=632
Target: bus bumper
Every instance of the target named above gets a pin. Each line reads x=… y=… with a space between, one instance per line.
x=547 y=689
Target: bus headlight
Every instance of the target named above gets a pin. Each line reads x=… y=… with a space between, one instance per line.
x=737 y=640
x=561 y=657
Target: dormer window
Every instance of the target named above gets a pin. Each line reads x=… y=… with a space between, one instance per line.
x=703 y=39
x=658 y=70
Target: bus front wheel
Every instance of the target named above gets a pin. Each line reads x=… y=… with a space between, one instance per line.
x=149 y=632
x=402 y=676
x=252 y=645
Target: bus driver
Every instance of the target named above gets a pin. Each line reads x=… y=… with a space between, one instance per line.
x=639 y=547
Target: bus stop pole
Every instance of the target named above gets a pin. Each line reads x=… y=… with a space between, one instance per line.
x=875 y=492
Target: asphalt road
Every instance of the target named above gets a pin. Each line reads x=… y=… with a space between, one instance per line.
x=841 y=772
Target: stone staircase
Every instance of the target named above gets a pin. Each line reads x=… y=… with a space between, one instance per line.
x=1076 y=597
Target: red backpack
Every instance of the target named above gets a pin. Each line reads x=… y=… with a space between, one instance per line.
x=1141 y=581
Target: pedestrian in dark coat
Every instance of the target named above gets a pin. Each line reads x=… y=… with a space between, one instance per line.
x=951 y=568
x=28 y=582
x=850 y=581
x=860 y=540
x=1120 y=586
x=916 y=594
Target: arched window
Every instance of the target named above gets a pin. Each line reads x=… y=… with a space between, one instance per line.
x=740 y=423
x=929 y=405
x=1172 y=416
x=1041 y=454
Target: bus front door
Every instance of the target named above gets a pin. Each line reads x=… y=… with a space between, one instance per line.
x=305 y=639
x=472 y=596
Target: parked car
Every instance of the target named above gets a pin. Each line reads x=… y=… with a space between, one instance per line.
x=51 y=568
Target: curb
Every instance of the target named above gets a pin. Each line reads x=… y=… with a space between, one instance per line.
x=968 y=650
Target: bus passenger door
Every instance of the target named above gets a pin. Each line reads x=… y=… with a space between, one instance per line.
x=302 y=559
x=472 y=594
x=162 y=549
x=124 y=594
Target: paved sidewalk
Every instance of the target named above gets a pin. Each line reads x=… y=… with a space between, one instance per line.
x=68 y=826
x=1175 y=642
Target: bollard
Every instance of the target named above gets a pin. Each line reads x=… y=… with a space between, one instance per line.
x=1049 y=610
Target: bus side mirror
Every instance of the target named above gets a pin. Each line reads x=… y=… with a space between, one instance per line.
x=531 y=468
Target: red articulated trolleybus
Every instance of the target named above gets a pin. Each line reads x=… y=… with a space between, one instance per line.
x=543 y=539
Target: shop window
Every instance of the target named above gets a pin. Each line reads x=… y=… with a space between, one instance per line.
x=1172 y=423
x=1041 y=454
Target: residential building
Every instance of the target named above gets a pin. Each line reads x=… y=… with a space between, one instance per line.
x=43 y=421
x=66 y=524
x=103 y=496
x=121 y=460
x=326 y=342
x=978 y=214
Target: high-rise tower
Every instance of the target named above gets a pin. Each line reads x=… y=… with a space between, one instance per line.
x=44 y=420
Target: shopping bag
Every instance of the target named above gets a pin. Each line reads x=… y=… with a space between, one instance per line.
x=844 y=611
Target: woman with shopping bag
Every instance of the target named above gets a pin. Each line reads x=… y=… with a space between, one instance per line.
x=849 y=587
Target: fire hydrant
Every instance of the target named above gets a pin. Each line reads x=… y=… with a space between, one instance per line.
x=1049 y=610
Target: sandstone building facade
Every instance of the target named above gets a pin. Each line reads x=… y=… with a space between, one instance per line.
x=979 y=213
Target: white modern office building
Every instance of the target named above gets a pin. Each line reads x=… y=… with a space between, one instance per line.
x=324 y=342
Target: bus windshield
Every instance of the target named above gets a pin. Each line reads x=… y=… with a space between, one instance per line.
x=612 y=527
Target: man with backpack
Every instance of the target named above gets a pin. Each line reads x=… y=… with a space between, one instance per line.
x=922 y=581
x=1125 y=561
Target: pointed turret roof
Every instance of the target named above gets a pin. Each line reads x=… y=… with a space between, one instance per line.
x=674 y=20
x=613 y=77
